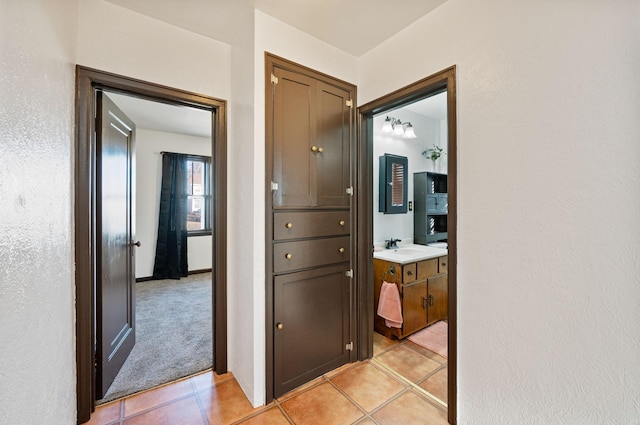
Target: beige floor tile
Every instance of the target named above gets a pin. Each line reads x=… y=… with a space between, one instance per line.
x=273 y=416
x=225 y=403
x=410 y=409
x=427 y=353
x=436 y=384
x=148 y=399
x=183 y=412
x=408 y=363
x=105 y=414
x=382 y=343
x=368 y=386
x=321 y=405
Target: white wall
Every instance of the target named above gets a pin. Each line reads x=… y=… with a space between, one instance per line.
x=248 y=329
x=549 y=170
x=37 y=363
x=149 y=144
x=400 y=226
x=118 y=40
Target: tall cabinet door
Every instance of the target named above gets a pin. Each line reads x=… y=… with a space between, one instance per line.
x=333 y=143
x=294 y=133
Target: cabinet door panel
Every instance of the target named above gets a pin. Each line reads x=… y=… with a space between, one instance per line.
x=313 y=310
x=294 y=133
x=414 y=313
x=439 y=295
x=333 y=137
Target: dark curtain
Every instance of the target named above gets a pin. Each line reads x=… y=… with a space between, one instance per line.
x=171 y=249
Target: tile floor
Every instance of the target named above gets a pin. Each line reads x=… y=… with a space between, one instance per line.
x=403 y=384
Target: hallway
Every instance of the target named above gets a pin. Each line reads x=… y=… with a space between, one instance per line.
x=403 y=383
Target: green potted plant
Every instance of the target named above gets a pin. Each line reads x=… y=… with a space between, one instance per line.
x=433 y=154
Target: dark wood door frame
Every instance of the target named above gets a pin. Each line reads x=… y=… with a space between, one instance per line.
x=87 y=81
x=426 y=87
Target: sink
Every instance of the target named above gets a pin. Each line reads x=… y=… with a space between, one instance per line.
x=409 y=254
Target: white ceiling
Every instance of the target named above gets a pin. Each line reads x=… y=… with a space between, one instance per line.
x=354 y=26
x=433 y=107
x=162 y=117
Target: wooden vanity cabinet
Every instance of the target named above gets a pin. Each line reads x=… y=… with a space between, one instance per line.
x=423 y=293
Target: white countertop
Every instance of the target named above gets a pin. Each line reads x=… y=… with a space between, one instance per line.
x=410 y=253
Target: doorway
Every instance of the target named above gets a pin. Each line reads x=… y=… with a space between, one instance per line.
x=373 y=113
x=88 y=83
x=173 y=316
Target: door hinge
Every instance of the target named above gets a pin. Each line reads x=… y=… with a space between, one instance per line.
x=349 y=190
x=349 y=103
x=349 y=346
x=274 y=79
x=349 y=273
x=274 y=186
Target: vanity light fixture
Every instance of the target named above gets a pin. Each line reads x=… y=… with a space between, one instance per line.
x=395 y=126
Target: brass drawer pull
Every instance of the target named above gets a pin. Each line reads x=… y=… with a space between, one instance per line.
x=341 y=222
x=288 y=225
x=314 y=149
x=288 y=256
x=409 y=273
x=320 y=150
x=341 y=250
x=279 y=326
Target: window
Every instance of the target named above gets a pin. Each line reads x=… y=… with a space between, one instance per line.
x=198 y=195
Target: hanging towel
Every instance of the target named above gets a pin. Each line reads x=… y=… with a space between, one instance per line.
x=389 y=305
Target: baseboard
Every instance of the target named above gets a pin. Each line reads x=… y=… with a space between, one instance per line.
x=145 y=279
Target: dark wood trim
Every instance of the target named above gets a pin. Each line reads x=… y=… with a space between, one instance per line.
x=426 y=87
x=272 y=61
x=148 y=278
x=87 y=81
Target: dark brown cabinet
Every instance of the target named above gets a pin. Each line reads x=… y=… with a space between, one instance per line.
x=309 y=219
x=423 y=293
x=311 y=142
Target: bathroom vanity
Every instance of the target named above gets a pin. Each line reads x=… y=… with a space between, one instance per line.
x=421 y=275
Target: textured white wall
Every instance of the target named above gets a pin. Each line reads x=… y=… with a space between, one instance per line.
x=118 y=40
x=149 y=144
x=400 y=226
x=37 y=366
x=549 y=170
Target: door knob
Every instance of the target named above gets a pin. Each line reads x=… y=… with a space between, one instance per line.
x=279 y=326
x=137 y=243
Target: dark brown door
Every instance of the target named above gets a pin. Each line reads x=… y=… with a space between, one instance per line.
x=115 y=327
x=312 y=325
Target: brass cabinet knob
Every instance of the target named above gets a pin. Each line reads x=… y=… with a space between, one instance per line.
x=320 y=150
x=409 y=273
x=288 y=225
x=444 y=263
x=288 y=256
x=314 y=149
x=341 y=250
x=341 y=222
x=279 y=326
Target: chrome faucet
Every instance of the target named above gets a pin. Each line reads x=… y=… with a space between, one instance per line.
x=392 y=243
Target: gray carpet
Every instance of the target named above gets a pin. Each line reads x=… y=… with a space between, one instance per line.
x=173 y=334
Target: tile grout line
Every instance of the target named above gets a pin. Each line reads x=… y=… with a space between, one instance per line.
x=413 y=385
x=204 y=415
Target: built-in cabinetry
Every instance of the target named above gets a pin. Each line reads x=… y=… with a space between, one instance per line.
x=309 y=137
x=423 y=293
x=430 y=207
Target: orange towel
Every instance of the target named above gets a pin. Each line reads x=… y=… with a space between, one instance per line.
x=389 y=305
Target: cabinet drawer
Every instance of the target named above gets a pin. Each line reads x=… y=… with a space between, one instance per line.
x=298 y=225
x=289 y=256
x=427 y=268
x=442 y=264
x=408 y=273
